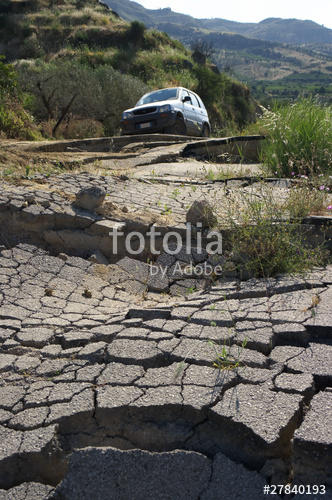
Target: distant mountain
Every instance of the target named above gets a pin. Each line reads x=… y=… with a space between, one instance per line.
x=292 y=31
x=279 y=58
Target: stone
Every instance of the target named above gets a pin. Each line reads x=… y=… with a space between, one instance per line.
x=90 y=198
x=201 y=212
x=97 y=257
x=63 y=256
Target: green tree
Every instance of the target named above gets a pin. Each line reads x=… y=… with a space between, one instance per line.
x=101 y=93
x=8 y=79
x=15 y=122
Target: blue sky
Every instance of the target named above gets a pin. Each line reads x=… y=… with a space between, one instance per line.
x=319 y=11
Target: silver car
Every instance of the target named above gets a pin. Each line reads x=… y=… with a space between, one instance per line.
x=172 y=111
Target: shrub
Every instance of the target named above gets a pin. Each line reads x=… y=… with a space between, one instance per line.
x=300 y=138
x=266 y=239
x=8 y=80
x=304 y=200
x=75 y=129
x=135 y=33
x=15 y=122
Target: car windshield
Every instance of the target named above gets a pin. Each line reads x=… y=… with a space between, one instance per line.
x=158 y=95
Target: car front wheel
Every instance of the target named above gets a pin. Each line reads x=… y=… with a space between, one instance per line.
x=179 y=128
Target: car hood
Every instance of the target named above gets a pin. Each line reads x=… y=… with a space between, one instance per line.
x=157 y=103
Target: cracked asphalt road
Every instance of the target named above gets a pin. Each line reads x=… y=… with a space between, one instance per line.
x=111 y=390
x=108 y=371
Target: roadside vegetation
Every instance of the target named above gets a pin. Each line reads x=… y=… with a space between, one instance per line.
x=267 y=235
x=299 y=139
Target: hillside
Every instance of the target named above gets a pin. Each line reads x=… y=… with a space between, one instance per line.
x=292 y=31
x=258 y=53
x=82 y=56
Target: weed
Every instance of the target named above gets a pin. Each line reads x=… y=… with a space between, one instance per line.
x=224 y=360
x=167 y=210
x=267 y=236
x=179 y=370
x=305 y=200
x=315 y=300
x=225 y=173
x=175 y=193
x=87 y=293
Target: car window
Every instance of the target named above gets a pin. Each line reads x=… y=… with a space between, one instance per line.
x=194 y=100
x=158 y=95
x=200 y=102
x=184 y=94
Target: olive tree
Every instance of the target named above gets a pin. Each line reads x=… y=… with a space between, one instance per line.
x=64 y=87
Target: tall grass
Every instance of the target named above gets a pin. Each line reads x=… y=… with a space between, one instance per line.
x=299 y=139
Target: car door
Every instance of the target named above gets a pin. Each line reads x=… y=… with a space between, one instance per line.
x=188 y=112
x=198 y=115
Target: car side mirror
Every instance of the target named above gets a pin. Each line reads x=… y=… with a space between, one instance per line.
x=186 y=98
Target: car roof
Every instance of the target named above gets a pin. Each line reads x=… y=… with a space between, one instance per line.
x=169 y=88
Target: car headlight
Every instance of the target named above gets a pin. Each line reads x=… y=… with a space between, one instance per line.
x=166 y=107
x=126 y=115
